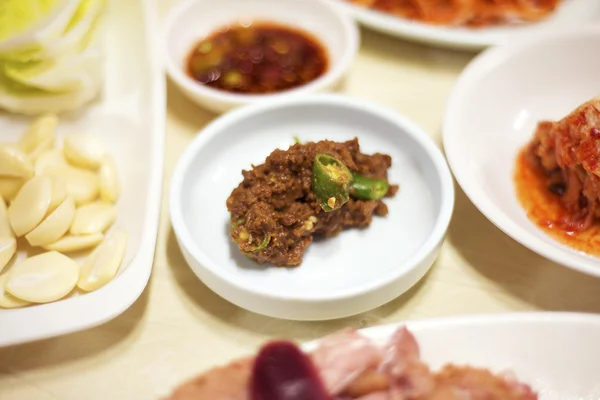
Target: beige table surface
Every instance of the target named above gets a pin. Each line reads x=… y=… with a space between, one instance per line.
x=179 y=327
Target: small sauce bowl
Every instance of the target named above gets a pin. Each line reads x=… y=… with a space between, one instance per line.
x=193 y=20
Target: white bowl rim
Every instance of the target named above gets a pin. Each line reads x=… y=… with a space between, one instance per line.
x=335 y=71
x=409 y=128
x=477 y=68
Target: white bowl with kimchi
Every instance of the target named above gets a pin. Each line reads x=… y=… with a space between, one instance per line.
x=471 y=25
x=522 y=136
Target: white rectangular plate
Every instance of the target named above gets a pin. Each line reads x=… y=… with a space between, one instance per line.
x=129 y=117
x=558 y=354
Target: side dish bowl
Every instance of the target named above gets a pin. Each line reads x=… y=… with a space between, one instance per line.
x=193 y=20
x=569 y=14
x=350 y=273
x=492 y=113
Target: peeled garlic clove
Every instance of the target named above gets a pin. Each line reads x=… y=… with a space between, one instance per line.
x=7 y=300
x=72 y=243
x=59 y=193
x=104 y=262
x=54 y=226
x=10 y=186
x=14 y=162
x=8 y=247
x=109 y=181
x=39 y=132
x=30 y=206
x=41 y=148
x=84 y=151
x=43 y=278
x=49 y=159
x=82 y=184
x=93 y=218
x=5 y=229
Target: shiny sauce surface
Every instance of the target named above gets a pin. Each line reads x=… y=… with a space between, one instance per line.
x=545 y=208
x=257 y=59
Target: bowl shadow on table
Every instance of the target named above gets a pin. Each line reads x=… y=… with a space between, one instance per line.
x=541 y=283
x=184 y=109
x=201 y=300
x=73 y=351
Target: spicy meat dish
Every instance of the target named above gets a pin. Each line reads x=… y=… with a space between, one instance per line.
x=311 y=189
x=472 y=13
x=346 y=366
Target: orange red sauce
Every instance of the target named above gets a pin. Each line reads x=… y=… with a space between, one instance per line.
x=545 y=208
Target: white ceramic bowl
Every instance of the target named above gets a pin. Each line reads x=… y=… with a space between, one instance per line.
x=492 y=114
x=353 y=272
x=193 y=20
x=569 y=14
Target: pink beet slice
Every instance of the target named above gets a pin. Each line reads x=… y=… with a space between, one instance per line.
x=283 y=372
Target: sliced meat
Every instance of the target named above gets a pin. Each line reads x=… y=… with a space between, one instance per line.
x=370 y=381
x=410 y=378
x=349 y=366
x=343 y=357
x=224 y=383
x=377 y=396
x=400 y=350
x=457 y=382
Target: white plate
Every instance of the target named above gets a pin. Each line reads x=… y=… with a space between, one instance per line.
x=571 y=13
x=556 y=353
x=492 y=113
x=351 y=273
x=130 y=119
x=193 y=20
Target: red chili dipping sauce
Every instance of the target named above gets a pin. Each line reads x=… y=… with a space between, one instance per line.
x=257 y=59
x=545 y=208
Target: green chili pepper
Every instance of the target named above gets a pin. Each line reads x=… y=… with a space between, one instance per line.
x=260 y=247
x=331 y=181
x=364 y=188
x=238 y=222
x=263 y=245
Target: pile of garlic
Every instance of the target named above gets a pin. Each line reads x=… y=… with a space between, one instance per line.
x=62 y=201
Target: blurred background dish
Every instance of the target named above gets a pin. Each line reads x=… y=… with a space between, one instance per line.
x=493 y=113
x=230 y=53
x=568 y=14
x=523 y=344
